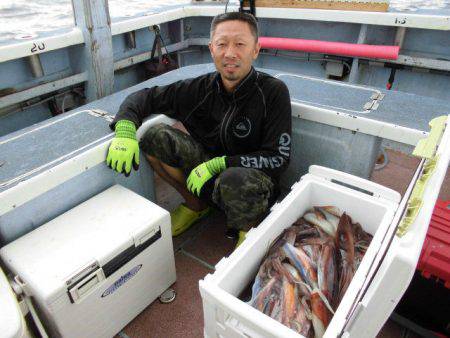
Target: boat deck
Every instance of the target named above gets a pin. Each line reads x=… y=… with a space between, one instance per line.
x=202 y=246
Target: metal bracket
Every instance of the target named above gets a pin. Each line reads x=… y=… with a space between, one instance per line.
x=374 y=103
x=100 y=113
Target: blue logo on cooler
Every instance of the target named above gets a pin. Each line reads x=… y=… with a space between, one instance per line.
x=122 y=280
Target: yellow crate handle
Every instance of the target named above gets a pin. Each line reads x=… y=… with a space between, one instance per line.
x=412 y=210
x=416 y=199
x=426 y=148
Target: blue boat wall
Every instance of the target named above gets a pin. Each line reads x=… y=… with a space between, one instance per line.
x=49 y=75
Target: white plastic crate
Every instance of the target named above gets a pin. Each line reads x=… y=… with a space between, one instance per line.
x=379 y=282
x=374 y=212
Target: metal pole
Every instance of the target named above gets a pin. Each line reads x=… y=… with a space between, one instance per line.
x=92 y=16
x=354 y=74
x=130 y=38
x=179 y=58
x=36 y=66
x=400 y=36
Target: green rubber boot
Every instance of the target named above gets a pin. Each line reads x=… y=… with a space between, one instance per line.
x=183 y=218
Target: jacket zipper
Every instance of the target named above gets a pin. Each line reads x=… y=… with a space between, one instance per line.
x=229 y=120
x=222 y=134
x=232 y=108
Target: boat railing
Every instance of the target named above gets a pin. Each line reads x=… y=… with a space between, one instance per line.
x=97 y=36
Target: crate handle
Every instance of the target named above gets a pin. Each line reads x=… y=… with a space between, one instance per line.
x=354 y=187
x=426 y=148
x=355 y=183
x=416 y=199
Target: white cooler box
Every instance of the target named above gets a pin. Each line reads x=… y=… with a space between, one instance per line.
x=91 y=270
x=378 y=284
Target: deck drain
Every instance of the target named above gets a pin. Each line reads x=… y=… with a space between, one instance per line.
x=168 y=296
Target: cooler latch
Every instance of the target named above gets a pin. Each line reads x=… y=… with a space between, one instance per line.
x=142 y=238
x=85 y=286
x=82 y=283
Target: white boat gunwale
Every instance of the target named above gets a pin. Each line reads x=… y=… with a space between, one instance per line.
x=75 y=36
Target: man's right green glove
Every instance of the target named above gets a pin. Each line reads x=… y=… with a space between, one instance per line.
x=124 y=149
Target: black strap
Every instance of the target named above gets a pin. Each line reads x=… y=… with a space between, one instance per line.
x=157 y=42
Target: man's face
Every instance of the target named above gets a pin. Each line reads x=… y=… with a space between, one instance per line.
x=233 y=49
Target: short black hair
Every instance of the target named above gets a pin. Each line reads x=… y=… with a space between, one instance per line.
x=240 y=16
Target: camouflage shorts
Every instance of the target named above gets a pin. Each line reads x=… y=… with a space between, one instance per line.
x=244 y=194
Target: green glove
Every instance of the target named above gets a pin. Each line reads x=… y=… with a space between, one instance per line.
x=124 y=149
x=203 y=172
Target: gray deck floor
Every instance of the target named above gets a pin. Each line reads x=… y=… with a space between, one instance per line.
x=202 y=246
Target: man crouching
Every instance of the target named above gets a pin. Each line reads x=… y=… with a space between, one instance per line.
x=239 y=124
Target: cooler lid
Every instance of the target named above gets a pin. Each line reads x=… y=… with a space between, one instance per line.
x=11 y=319
x=396 y=262
x=90 y=235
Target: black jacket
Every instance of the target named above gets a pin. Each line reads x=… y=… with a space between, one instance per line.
x=251 y=126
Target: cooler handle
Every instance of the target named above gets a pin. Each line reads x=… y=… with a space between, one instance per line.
x=355 y=182
x=21 y=289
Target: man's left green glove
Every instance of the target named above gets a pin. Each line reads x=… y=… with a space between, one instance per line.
x=203 y=172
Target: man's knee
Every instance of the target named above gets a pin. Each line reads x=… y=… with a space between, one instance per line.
x=243 y=187
x=244 y=194
x=173 y=147
x=246 y=182
x=233 y=178
x=156 y=139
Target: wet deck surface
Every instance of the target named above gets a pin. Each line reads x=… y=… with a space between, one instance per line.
x=202 y=246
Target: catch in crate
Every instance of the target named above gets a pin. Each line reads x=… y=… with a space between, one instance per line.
x=308 y=269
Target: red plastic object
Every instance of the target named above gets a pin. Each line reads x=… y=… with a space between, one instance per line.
x=329 y=47
x=435 y=257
